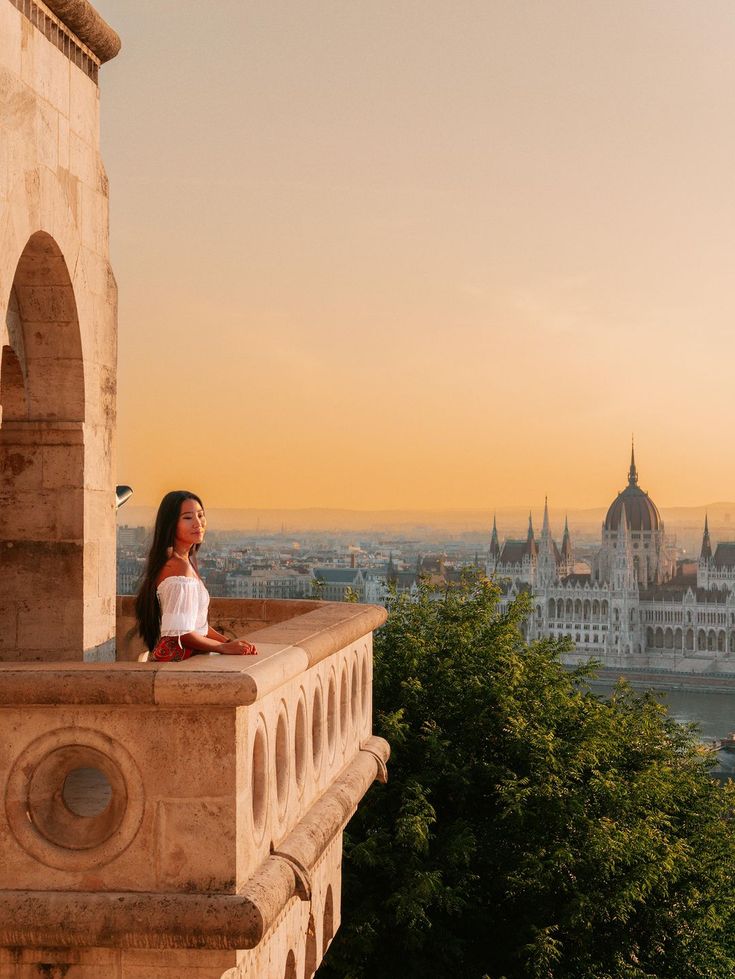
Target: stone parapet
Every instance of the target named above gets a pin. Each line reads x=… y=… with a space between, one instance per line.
x=82 y=20
x=211 y=795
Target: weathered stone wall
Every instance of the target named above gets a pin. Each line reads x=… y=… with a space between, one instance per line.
x=58 y=333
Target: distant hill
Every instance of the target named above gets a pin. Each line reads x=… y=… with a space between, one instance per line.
x=512 y=521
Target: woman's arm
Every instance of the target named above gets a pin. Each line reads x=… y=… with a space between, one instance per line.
x=213 y=634
x=249 y=647
x=224 y=646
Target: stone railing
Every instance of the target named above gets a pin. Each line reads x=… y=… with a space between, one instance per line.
x=181 y=818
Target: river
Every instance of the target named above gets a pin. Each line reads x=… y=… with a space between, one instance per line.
x=714 y=714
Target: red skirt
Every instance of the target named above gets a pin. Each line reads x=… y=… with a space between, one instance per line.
x=169 y=649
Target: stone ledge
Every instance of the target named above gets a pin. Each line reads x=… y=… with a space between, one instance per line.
x=288 y=648
x=74 y=919
x=83 y=20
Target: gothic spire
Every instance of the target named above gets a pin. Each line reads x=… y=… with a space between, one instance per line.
x=494 y=542
x=545 y=532
x=632 y=472
x=566 y=543
x=530 y=539
x=622 y=541
x=706 y=553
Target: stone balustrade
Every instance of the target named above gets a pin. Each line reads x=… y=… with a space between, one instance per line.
x=186 y=818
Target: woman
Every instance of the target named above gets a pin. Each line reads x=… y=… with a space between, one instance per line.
x=172 y=604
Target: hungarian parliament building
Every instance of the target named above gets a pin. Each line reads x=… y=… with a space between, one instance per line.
x=635 y=604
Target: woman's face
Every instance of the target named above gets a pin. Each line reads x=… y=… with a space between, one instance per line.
x=191 y=525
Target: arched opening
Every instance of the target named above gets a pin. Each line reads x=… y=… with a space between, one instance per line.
x=690 y=640
x=328 y=921
x=649 y=637
x=721 y=640
x=290 y=970
x=701 y=640
x=310 y=957
x=711 y=640
x=42 y=460
x=678 y=644
x=669 y=639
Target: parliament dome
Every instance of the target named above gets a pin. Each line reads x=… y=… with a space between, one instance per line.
x=641 y=513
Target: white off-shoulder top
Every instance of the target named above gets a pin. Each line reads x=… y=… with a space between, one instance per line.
x=184 y=605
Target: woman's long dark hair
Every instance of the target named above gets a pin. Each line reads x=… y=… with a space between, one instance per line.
x=147 y=609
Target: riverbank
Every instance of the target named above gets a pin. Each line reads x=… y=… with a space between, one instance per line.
x=669 y=680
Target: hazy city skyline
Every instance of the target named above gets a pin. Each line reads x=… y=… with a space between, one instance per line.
x=422 y=255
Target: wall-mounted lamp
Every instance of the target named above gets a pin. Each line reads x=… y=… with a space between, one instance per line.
x=122 y=495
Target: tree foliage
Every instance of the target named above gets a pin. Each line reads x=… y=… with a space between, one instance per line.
x=530 y=829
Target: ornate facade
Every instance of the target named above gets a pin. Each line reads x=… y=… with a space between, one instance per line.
x=634 y=601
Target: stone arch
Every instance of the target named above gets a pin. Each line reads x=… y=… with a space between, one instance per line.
x=42 y=458
x=678 y=639
x=603 y=607
x=659 y=638
x=595 y=607
x=310 y=961
x=711 y=640
x=578 y=609
x=328 y=921
x=668 y=638
x=721 y=641
x=701 y=640
x=559 y=608
x=650 y=639
x=552 y=608
x=569 y=608
x=50 y=343
x=586 y=608
x=690 y=640
x=290 y=970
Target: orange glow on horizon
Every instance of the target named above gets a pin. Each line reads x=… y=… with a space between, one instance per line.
x=423 y=256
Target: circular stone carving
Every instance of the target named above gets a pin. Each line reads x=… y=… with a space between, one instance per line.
x=61 y=834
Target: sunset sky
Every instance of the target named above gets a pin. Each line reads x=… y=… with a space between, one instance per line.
x=388 y=254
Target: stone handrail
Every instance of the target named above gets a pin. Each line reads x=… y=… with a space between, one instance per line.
x=83 y=20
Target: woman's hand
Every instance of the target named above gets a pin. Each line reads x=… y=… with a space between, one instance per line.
x=237 y=647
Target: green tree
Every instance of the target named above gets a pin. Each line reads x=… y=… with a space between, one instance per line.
x=530 y=829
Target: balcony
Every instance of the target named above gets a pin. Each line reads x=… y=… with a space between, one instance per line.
x=168 y=819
